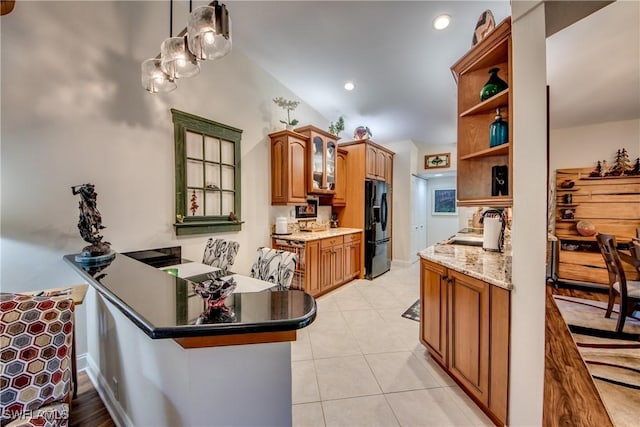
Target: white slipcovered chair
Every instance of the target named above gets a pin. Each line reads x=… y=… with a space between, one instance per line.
x=275 y=266
x=220 y=253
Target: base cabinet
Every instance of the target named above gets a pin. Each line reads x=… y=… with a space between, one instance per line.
x=464 y=323
x=433 y=310
x=328 y=263
x=352 y=250
x=468 y=312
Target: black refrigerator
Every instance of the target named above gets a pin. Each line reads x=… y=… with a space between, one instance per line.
x=377 y=222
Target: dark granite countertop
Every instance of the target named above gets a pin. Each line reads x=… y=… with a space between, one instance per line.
x=164 y=306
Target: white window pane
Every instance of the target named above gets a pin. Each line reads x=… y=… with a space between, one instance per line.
x=194 y=174
x=194 y=203
x=228 y=178
x=227 y=203
x=194 y=145
x=212 y=176
x=228 y=153
x=213 y=203
x=212 y=149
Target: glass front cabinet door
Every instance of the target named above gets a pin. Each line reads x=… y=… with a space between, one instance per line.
x=322 y=160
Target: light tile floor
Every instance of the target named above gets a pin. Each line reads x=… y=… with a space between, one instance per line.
x=361 y=364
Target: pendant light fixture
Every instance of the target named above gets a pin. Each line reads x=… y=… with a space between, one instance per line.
x=154 y=79
x=177 y=59
x=207 y=36
x=209 y=31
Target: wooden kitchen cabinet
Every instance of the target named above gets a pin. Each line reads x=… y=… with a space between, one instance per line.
x=324 y=264
x=312 y=268
x=475 y=158
x=288 y=154
x=352 y=250
x=322 y=152
x=433 y=310
x=331 y=262
x=378 y=163
x=340 y=197
x=468 y=312
x=464 y=323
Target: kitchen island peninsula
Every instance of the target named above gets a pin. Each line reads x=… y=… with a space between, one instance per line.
x=465 y=318
x=160 y=357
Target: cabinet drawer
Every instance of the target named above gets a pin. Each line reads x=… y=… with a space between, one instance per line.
x=333 y=241
x=355 y=237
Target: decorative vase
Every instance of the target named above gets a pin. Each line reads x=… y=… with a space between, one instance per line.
x=498 y=131
x=493 y=86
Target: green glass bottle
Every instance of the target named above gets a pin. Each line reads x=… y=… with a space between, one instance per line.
x=493 y=86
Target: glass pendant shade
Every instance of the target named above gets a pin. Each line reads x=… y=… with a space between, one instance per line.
x=209 y=31
x=177 y=60
x=154 y=79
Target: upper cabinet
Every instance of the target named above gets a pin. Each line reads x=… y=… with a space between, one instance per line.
x=288 y=154
x=485 y=169
x=322 y=157
x=340 y=198
x=378 y=163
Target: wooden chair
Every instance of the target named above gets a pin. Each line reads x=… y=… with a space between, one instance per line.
x=275 y=266
x=220 y=253
x=629 y=291
x=634 y=248
x=37 y=341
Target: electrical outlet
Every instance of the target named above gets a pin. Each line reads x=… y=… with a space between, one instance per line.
x=114 y=388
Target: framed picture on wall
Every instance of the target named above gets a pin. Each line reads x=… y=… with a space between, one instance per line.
x=443 y=201
x=435 y=161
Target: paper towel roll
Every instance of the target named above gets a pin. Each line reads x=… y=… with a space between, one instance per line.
x=491 y=236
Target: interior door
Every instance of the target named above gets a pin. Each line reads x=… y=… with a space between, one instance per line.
x=419 y=212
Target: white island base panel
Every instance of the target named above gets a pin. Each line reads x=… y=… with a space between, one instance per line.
x=145 y=382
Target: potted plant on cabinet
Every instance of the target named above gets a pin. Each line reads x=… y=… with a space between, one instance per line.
x=289 y=106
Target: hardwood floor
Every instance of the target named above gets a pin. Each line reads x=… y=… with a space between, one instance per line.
x=570 y=396
x=87 y=409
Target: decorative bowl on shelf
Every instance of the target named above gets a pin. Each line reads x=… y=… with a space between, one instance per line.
x=586 y=228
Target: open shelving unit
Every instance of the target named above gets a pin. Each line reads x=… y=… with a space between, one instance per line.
x=475 y=158
x=612 y=204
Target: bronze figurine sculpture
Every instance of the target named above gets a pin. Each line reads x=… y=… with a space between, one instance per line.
x=90 y=224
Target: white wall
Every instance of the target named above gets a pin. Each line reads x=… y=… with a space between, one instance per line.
x=403 y=167
x=73 y=111
x=437 y=149
x=526 y=367
x=440 y=227
x=583 y=146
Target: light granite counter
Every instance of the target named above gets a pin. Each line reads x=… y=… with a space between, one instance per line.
x=315 y=235
x=491 y=267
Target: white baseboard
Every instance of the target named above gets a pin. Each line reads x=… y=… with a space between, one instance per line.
x=119 y=416
x=401 y=263
x=81 y=362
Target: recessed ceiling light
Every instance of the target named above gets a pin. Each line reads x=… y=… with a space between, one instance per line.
x=349 y=86
x=441 y=22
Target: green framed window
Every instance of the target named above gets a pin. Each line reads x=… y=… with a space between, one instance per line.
x=207 y=156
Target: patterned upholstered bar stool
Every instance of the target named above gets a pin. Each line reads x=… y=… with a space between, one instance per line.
x=37 y=339
x=275 y=266
x=220 y=253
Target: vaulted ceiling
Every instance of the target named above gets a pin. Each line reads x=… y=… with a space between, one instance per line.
x=400 y=64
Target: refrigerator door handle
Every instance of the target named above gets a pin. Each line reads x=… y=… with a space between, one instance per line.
x=384 y=211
